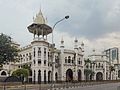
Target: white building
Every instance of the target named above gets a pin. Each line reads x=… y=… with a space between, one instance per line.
x=106 y=66
x=48 y=62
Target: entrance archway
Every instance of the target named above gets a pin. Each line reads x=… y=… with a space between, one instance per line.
x=39 y=76
x=119 y=73
x=99 y=76
x=3 y=73
x=56 y=77
x=79 y=75
x=69 y=75
x=44 y=76
x=49 y=76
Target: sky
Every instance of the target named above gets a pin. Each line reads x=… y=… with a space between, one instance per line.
x=94 y=22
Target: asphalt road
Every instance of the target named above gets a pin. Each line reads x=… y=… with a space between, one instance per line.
x=110 y=86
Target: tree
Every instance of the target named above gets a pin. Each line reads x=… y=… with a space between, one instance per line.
x=8 y=52
x=20 y=72
x=87 y=73
x=87 y=61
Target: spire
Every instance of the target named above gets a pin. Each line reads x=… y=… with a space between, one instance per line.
x=39 y=19
x=62 y=43
x=76 y=43
x=82 y=46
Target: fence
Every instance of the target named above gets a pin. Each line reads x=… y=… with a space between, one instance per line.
x=57 y=86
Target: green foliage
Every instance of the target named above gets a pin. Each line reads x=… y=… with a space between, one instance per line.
x=88 y=72
x=87 y=61
x=7 y=51
x=26 y=66
x=20 y=72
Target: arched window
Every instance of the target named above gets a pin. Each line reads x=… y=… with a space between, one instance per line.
x=34 y=52
x=39 y=52
x=45 y=62
x=73 y=60
x=34 y=76
x=99 y=65
x=44 y=52
x=39 y=61
x=69 y=59
x=44 y=76
x=3 y=73
x=65 y=59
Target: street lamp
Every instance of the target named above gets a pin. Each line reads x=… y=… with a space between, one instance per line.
x=66 y=17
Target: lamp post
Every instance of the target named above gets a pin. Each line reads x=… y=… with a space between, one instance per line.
x=66 y=17
x=53 y=45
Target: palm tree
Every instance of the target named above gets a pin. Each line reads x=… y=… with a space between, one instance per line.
x=87 y=73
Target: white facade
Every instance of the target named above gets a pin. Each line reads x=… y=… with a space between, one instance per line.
x=49 y=63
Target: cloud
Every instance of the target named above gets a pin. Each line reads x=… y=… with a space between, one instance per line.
x=95 y=22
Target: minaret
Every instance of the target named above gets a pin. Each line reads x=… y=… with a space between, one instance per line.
x=82 y=46
x=62 y=43
x=76 y=57
x=62 y=60
x=75 y=43
x=40 y=47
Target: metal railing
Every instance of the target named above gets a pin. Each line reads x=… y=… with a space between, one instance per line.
x=58 y=85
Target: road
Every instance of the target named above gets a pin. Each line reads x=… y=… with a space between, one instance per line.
x=110 y=86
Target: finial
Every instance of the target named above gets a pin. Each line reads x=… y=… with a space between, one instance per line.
x=82 y=44
x=39 y=19
x=93 y=50
x=76 y=40
x=62 y=41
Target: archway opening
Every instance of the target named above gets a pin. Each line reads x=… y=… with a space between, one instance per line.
x=56 y=77
x=3 y=73
x=99 y=76
x=49 y=76
x=119 y=74
x=44 y=76
x=69 y=75
x=79 y=75
x=34 y=77
x=39 y=77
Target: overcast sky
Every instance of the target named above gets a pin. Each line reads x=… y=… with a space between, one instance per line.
x=94 y=22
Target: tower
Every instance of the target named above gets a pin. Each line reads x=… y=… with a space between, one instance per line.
x=40 y=48
x=62 y=60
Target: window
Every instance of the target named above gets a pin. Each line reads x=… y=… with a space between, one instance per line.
x=39 y=61
x=39 y=52
x=30 y=57
x=69 y=59
x=65 y=59
x=34 y=61
x=44 y=52
x=78 y=62
x=73 y=60
x=34 y=52
x=44 y=62
x=99 y=65
x=56 y=59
